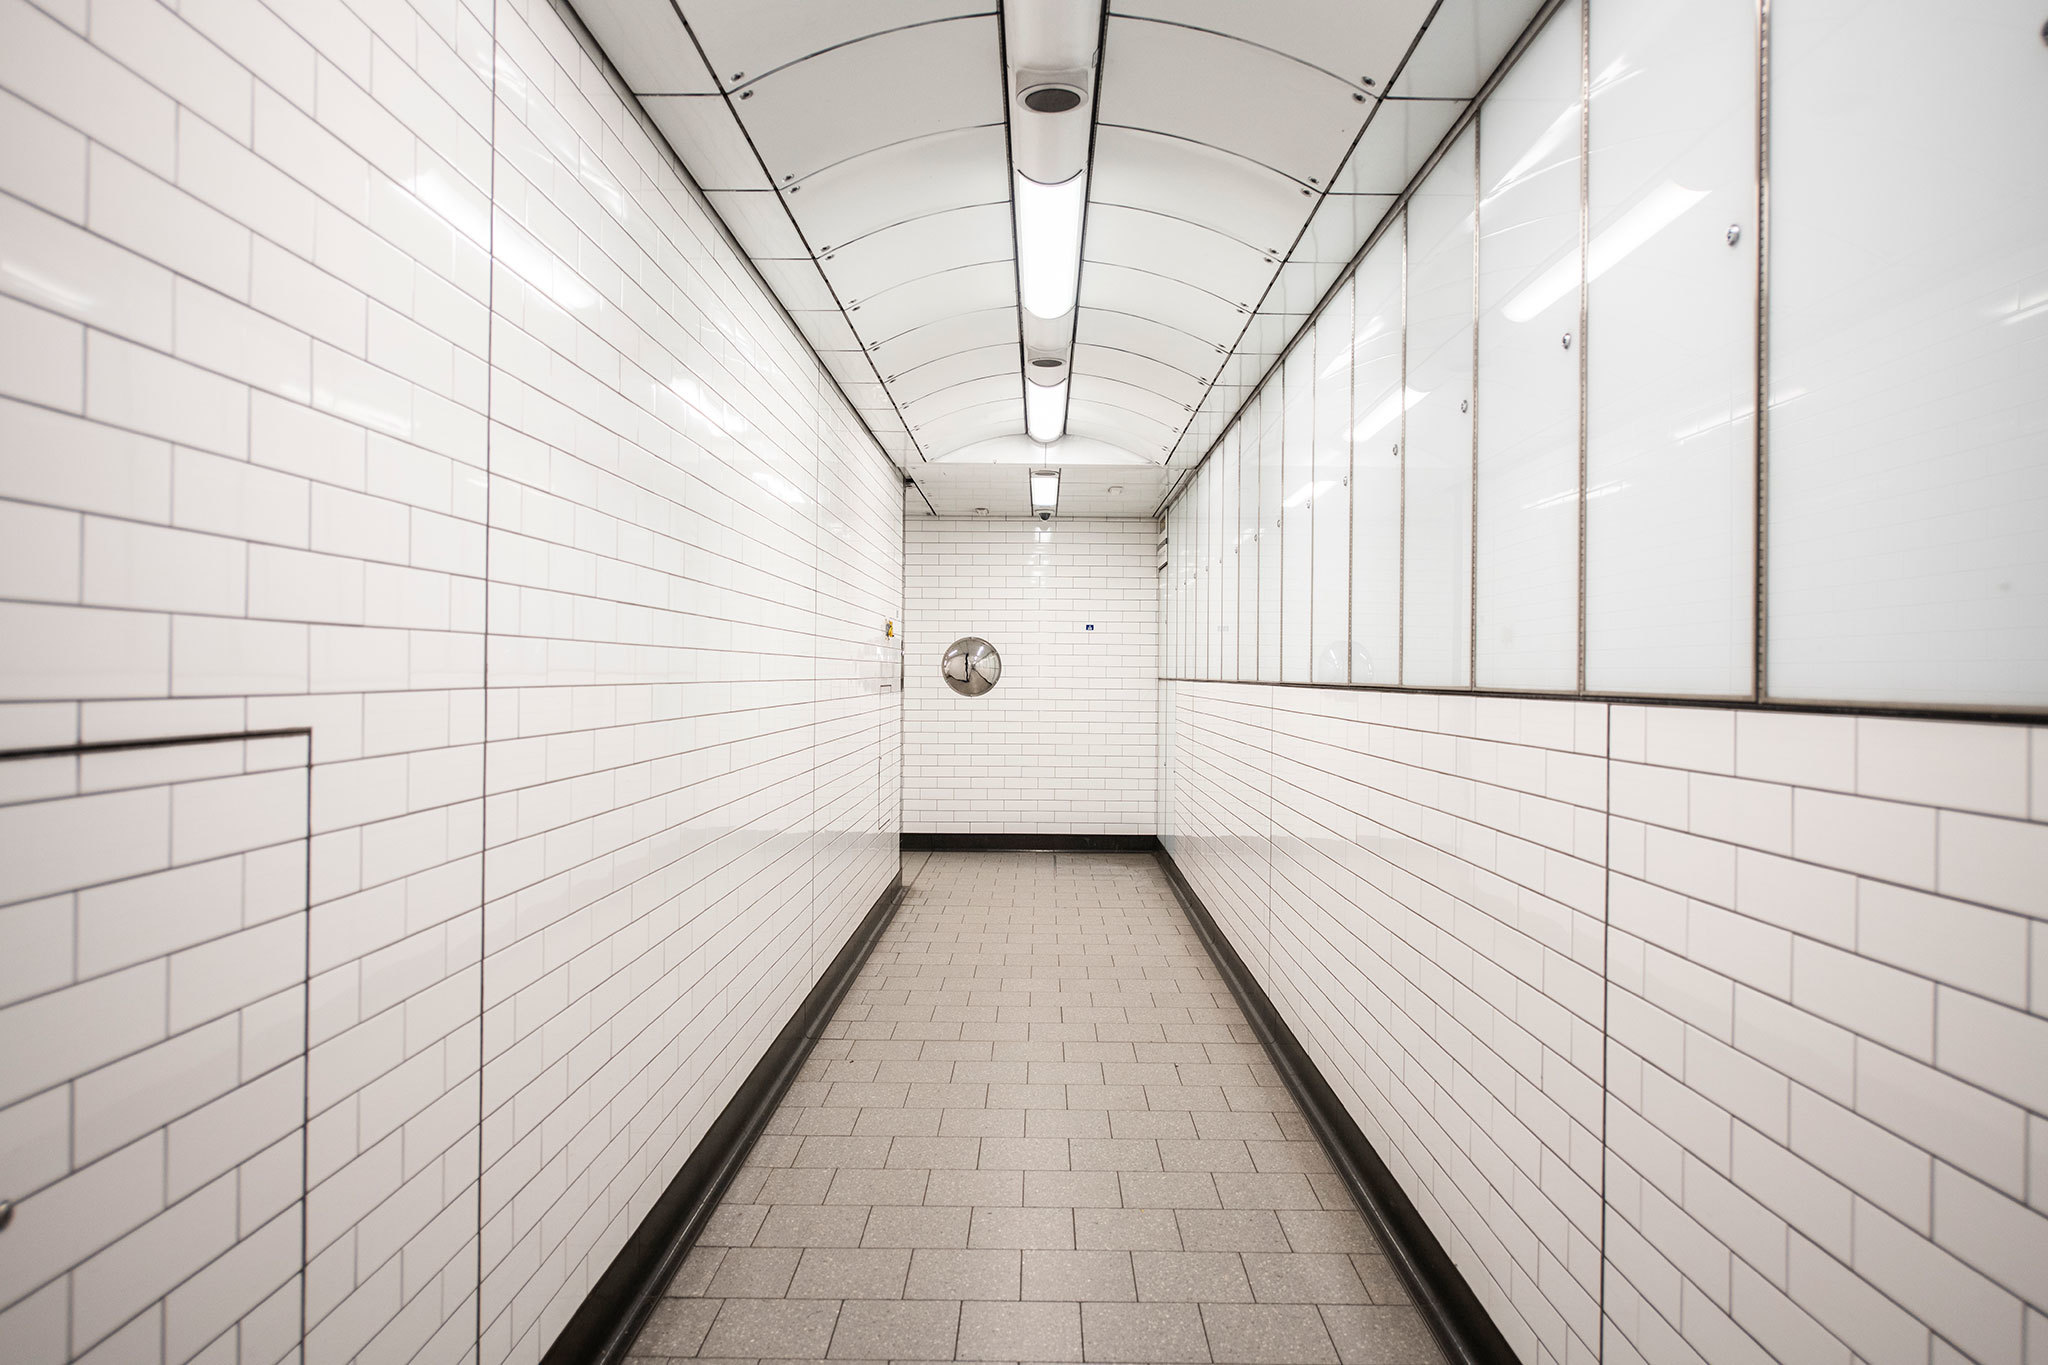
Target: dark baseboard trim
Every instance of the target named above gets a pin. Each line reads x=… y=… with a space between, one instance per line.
x=1462 y=1326
x=602 y=1329
x=1029 y=843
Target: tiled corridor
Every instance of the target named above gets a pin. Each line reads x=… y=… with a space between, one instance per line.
x=1039 y=1129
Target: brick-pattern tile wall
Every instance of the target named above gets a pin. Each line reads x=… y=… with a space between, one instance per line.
x=367 y=367
x=1698 y=1035
x=152 y=1017
x=1067 y=741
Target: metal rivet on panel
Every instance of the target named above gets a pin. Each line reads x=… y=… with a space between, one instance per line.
x=1734 y=233
x=1397 y=447
x=1464 y=405
x=746 y=94
x=1360 y=98
x=1567 y=341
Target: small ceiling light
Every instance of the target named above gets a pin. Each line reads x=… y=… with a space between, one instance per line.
x=1115 y=489
x=981 y=511
x=1048 y=362
x=1045 y=411
x=1049 y=243
x=1052 y=99
x=1045 y=492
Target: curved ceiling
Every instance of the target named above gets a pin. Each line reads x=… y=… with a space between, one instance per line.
x=1243 y=154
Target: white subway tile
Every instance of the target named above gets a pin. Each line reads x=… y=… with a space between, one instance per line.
x=155 y=219
x=1870 y=998
x=1961 y=1124
x=41 y=161
x=138 y=1094
x=35 y=947
x=60 y=72
x=1943 y=763
x=1875 y=838
x=42 y=357
x=127 y=386
x=163 y=569
x=1979 y=950
x=55 y=458
x=2003 y=863
x=2003 y=1050
x=38 y=553
x=54 y=1037
x=1798 y=749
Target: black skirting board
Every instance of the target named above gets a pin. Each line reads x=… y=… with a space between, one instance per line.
x=602 y=1329
x=1462 y=1325
x=1030 y=843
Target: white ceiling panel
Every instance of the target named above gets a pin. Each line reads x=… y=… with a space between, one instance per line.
x=823 y=325
x=1396 y=143
x=889 y=89
x=905 y=351
x=1129 y=367
x=919 y=301
x=1462 y=45
x=965 y=395
x=1350 y=40
x=1340 y=223
x=1254 y=103
x=1173 y=246
x=923 y=246
x=1145 y=336
x=757 y=219
x=1134 y=398
x=1177 y=304
x=968 y=425
x=1261 y=208
x=803 y=291
x=701 y=130
x=1119 y=425
x=649 y=46
x=944 y=373
x=750 y=38
x=889 y=185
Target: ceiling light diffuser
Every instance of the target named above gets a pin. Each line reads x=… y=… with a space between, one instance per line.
x=1049 y=243
x=1045 y=411
x=1045 y=489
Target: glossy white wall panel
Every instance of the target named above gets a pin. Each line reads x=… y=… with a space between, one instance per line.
x=1377 y=402
x=1528 y=383
x=1297 y=514
x=1671 y=364
x=1205 y=569
x=1227 y=490
x=1246 y=545
x=1272 y=439
x=1908 y=497
x=1437 y=537
x=1331 y=628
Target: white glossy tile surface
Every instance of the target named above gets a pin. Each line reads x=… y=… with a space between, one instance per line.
x=1331 y=494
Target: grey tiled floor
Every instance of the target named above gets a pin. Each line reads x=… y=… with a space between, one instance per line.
x=1038 y=1130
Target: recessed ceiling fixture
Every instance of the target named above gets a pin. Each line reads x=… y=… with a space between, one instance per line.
x=1052 y=99
x=1045 y=411
x=1045 y=492
x=1051 y=46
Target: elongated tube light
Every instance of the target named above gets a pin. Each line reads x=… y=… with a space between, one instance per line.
x=1051 y=47
x=1045 y=411
x=1049 y=243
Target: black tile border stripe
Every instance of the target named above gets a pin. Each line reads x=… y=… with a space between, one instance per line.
x=1461 y=1323
x=604 y=1325
x=1029 y=843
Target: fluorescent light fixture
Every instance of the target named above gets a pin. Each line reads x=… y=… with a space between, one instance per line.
x=1045 y=411
x=1049 y=243
x=1045 y=490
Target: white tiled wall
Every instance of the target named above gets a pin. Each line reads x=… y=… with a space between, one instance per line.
x=1067 y=741
x=152 y=1020
x=1697 y=1035
x=369 y=368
